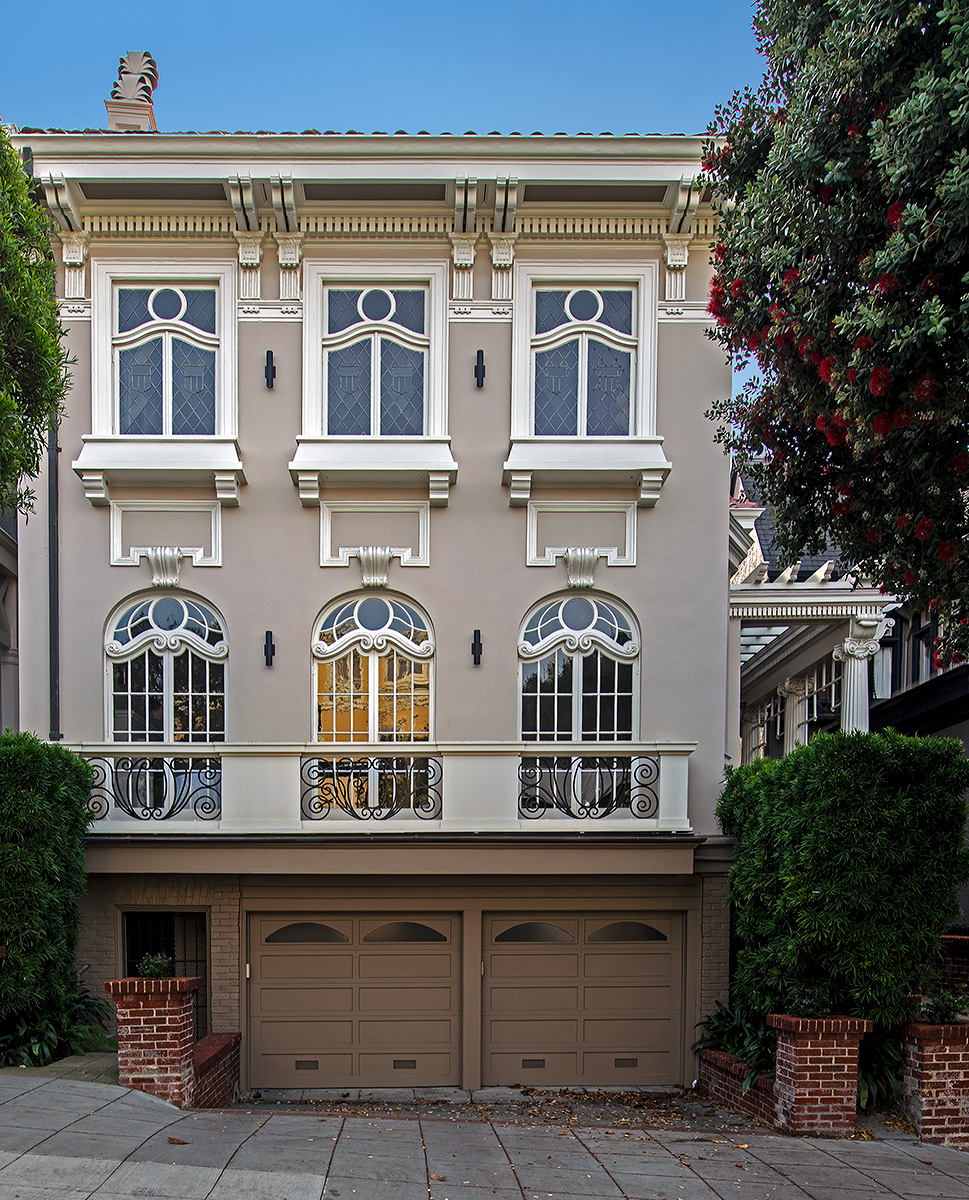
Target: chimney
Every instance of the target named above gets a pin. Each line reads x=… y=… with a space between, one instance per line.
x=130 y=106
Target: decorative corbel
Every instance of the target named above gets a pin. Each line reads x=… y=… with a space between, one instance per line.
x=96 y=488
x=227 y=488
x=462 y=253
x=676 y=255
x=165 y=563
x=243 y=201
x=580 y=566
x=506 y=202
x=62 y=201
x=290 y=257
x=374 y=565
x=284 y=203
x=502 y=259
x=250 y=258
x=74 y=254
x=465 y=203
x=438 y=488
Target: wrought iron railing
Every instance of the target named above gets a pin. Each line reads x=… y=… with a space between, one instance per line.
x=370 y=788
x=150 y=788
x=588 y=786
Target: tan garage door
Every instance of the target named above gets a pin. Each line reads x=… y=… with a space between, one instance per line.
x=340 y=1000
x=583 y=1000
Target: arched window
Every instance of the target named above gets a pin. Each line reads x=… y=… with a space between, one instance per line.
x=373 y=672
x=578 y=679
x=166 y=672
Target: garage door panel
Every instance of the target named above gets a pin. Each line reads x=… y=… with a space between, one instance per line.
x=298 y=1002
x=296 y=967
x=403 y=1070
x=306 y=1035
x=535 y=1067
x=405 y=1000
x=653 y=1001
x=525 y=1033
x=405 y=1034
x=625 y=966
x=624 y=1033
x=626 y=1066
x=406 y=966
x=547 y=966
x=536 y=999
x=308 y=1069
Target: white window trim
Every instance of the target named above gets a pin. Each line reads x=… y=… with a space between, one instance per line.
x=391 y=272
x=153 y=272
x=643 y=277
x=534 y=557
x=406 y=554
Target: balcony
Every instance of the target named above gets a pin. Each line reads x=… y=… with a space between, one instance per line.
x=373 y=788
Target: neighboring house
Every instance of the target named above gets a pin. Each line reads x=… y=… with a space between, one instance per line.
x=393 y=579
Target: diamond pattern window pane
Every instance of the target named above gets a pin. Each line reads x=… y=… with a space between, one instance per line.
x=140 y=388
x=193 y=389
x=557 y=391
x=348 y=389
x=617 y=311
x=549 y=310
x=607 y=413
x=200 y=309
x=132 y=308
x=401 y=390
x=341 y=309
x=410 y=310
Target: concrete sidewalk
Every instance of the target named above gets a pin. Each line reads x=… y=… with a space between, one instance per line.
x=68 y=1139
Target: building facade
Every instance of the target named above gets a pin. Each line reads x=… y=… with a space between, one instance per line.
x=384 y=582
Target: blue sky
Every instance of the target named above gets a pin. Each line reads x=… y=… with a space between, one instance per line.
x=648 y=67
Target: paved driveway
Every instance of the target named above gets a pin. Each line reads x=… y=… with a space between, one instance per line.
x=64 y=1139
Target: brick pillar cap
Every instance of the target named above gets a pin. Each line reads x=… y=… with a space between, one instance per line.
x=833 y=1024
x=956 y=944
x=153 y=987
x=921 y=1031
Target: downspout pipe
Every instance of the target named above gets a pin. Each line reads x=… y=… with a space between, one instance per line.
x=53 y=588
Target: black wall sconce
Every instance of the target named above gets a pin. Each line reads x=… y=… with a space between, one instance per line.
x=479 y=369
x=270 y=369
x=269 y=648
x=476 y=648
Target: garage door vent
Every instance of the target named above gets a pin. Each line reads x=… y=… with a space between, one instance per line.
x=405 y=1064
x=533 y=1063
x=625 y=1062
x=307 y=1064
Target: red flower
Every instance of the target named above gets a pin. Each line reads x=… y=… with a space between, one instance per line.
x=719 y=250
x=926 y=388
x=844 y=489
x=862 y=343
x=958 y=462
x=853 y=131
x=924 y=528
x=872 y=536
x=823 y=421
x=929 y=285
x=737 y=289
x=881 y=423
x=718 y=297
x=826 y=193
x=904 y=521
x=777 y=313
x=947 y=551
x=881 y=381
x=895 y=213
x=910 y=578
x=887 y=284
x=880 y=111
x=805 y=346
x=753 y=341
x=826 y=368
x=902 y=417
x=852 y=375
x=835 y=437
x=838 y=419
x=791 y=278
x=841 y=508
x=933 y=604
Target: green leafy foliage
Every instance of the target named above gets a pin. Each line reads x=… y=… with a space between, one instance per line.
x=156 y=966
x=847 y=857
x=946 y=1007
x=842 y=271
x=44 y=794
x=745 y=1035
x=33 y=362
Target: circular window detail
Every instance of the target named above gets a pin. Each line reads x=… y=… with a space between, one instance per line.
x=373 y=613
x=584 y=305
x=166 y=304
x=168 y=613
x=376 y=305
x=578 y=614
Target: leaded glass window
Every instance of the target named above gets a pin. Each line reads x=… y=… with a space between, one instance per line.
x=166 y=668
x=373 y=672
x=375 y=361
x=578 y=672
x=165 y=350
x=583 y=353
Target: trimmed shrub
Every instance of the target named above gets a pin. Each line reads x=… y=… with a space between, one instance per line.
x=44 y=793
x=848 y=854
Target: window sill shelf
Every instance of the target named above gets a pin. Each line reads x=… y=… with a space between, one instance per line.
x=589 y=462
x=160 y=461
x=373 y=462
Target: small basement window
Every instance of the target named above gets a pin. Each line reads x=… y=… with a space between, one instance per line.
x=180 y=935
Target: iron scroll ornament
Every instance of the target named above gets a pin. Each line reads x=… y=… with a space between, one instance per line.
x=370 y=788
x=588 y=786
x=157 y=789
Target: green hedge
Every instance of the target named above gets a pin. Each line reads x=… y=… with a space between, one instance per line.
x=848 y=854
x=44 y=793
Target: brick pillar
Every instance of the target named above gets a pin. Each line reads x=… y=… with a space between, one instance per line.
x=816 y=1083
x=156 y=1036
x=935 y=1086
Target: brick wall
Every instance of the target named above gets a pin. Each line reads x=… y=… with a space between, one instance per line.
x=101 y=957
x=935 y=1085
x=722 y=1076
x=953 y=961
x=715 y=943
x=816 y=1081
x=216 y=1070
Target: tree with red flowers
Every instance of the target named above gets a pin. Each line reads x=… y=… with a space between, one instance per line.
x=843 y=270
